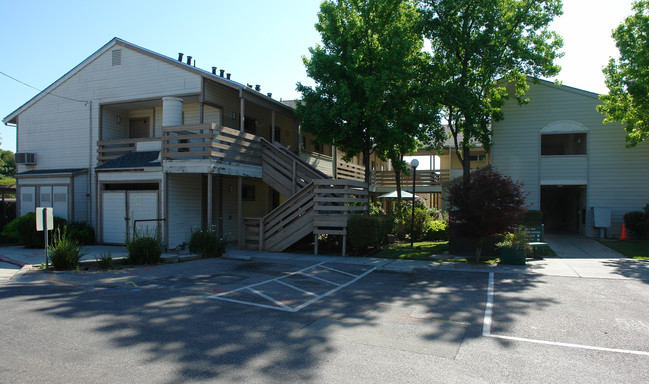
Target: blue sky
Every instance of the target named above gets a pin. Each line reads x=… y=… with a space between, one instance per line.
x=258 y=41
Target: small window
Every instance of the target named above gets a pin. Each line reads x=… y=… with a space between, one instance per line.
x=117 y=57
x=478 y=157
x=563 y=144
x=248 y=192
x=250 y=125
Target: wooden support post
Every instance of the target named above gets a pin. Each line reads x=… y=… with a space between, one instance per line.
x=315 y=244
x=209 y=201
x=344 y=245
x=240 y=210
x=242 y=115
x=272 y=127
x=294 y=177
x=261 y=234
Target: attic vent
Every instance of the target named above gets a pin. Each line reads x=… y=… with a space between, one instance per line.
x=117 y=57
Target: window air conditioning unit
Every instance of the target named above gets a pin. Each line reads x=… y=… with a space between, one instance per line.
x=25 y=158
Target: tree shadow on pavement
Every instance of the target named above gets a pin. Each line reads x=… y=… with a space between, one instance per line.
x=159 y=323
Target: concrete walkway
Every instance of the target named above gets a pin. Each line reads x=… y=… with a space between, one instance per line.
x=577 y=257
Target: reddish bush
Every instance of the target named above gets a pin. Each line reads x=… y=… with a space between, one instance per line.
x=489 y=204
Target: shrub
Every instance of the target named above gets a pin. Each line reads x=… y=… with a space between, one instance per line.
x=64 y=253
x=10 y=232
x=488 y=204
x=368 y=231
x=515 y=240
x=82 y=232
x=206 y=243
x=637 y=223
x=532 y=218
x=144 y=249
x=437 y=230
x=29 y=236
x=105 y=261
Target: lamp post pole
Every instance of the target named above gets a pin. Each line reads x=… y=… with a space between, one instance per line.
x=414 y=164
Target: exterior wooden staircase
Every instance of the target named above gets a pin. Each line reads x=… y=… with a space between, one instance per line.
x=317 y=204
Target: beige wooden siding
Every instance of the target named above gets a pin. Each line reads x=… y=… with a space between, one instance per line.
x=184 y=206
x=226 y=98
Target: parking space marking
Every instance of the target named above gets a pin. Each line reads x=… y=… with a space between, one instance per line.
x=486 y=326
x=296 y=288
x=319 y=278
x=282 y=306
x=486 y=330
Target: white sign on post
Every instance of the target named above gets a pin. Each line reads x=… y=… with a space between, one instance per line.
x=45 y=222
x=47 y=217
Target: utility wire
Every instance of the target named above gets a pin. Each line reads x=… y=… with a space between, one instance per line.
x=40 y=90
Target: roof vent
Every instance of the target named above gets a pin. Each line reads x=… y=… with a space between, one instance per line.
x=214 y=70
x=189 y=60
x=258 y=88
x=228 y=76
x=270 y=94
x=117 y=57
x=222 y=72
x=180 y=56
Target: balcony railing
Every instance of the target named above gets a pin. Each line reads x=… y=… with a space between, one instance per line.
x=212 y=142
x=425 y=178
x=111 y=149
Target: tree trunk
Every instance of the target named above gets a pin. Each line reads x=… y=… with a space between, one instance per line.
x=466 y=165
x=478 y=249
x=366 y=163
x=397 y=175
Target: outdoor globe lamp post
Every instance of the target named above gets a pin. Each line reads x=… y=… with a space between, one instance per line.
x=415 y=164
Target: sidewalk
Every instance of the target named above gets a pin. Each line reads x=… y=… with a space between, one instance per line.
x=577 y=257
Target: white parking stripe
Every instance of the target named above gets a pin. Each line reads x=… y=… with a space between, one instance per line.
x=319 y=278
x=486 y=329
x=334 y=290
x=281 y=306
x=570 y=345
x=486 y=326
x=339 y=271
x=296 y=288
x=270 y=299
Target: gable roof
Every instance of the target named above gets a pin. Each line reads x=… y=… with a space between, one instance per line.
x=133 y=160
x=11 y=118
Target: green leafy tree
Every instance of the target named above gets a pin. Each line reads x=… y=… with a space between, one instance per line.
x=368 y=71
x=7 y=164
x=475 y=43
x=628 y=78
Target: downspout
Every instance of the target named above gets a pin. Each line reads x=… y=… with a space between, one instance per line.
x=88 y=192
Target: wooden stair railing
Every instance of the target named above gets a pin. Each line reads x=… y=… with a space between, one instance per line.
x=286 y=172
x=284 y=225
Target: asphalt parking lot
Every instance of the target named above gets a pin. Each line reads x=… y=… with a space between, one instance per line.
x=313 y=321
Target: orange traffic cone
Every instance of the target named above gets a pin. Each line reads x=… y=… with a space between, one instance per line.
x=623 y=233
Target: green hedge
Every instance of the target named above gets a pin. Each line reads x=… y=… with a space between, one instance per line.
x=368 y=231
x=29 y=236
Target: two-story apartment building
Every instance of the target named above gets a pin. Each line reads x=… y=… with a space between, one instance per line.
x=131 y=140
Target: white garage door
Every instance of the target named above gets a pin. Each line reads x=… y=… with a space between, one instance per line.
x=113 y=221
x=122 y=211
